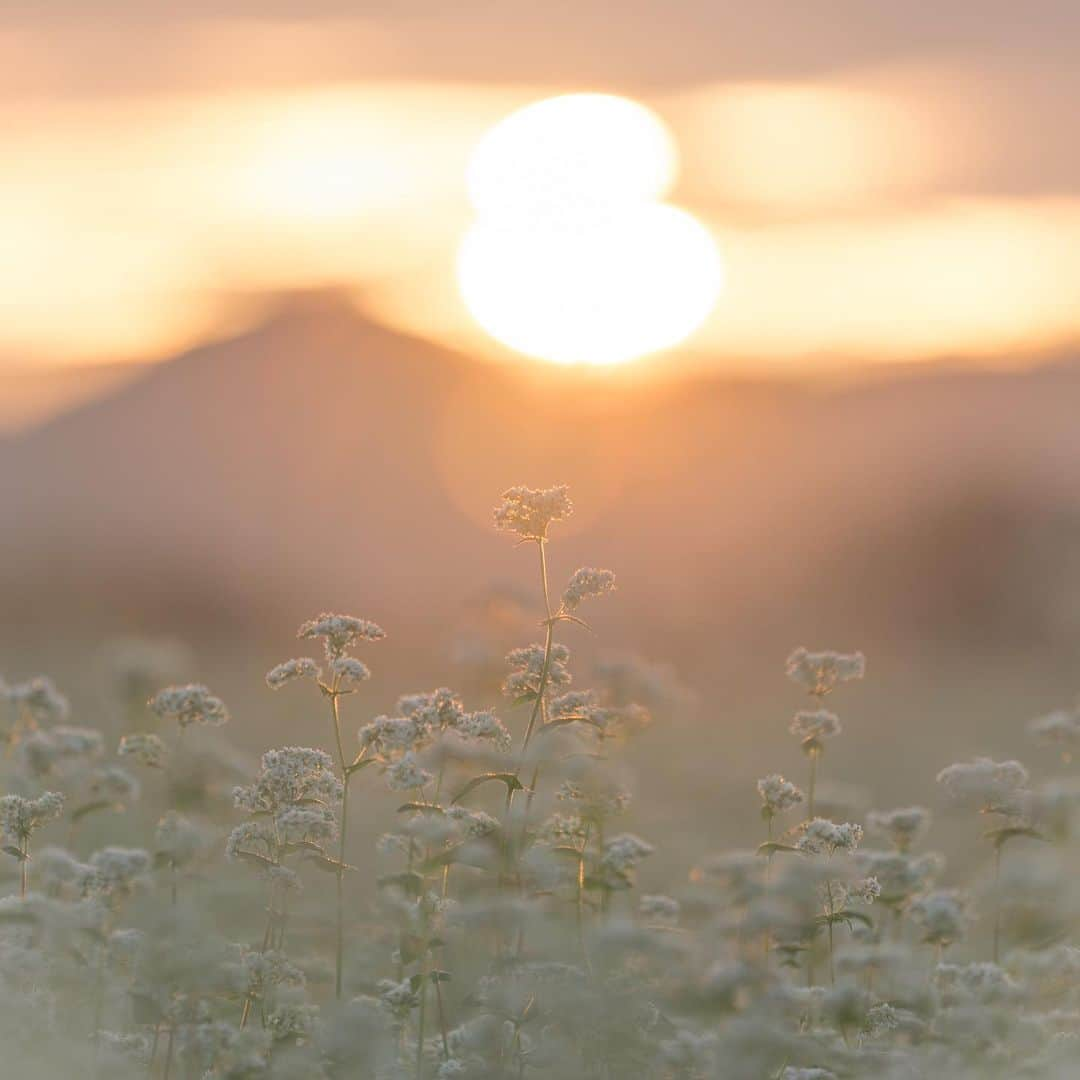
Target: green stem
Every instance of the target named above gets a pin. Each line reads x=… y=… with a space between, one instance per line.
x=339 y=952
x=813 y=783
x=997 y=901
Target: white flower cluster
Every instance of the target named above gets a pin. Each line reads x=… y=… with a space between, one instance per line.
x=620 y=857
x=340 y=633
x=1060 y=729
x=302 y=667
x=824 y=837
x=815 y=726
x=901 y=875
x=20 y=817
x=529 y=511
x=146 y=749
x=820 y=672
x=177 y=839
x=942 y=915
x=586 y=583
x=190 y=704
x=288 y=776
x=903 y=826
x=60 y=749
x=407 y=774
x=778 y=794
x=985 y=785
x=39 y=698
x=526 y=667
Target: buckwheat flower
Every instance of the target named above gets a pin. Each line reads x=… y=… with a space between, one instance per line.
x=981 y=982
x=177 y=839
x=529 y=511
x=474 y=824
x=306 y=824
x=340 y=633
x=1059 y=729
x=389 y=736
x=303 y=667
x=943 y=916
x=40 y=699
x=985 y=785
x=586 y=583
x=398 y=997
x=407 y=774
x=815 y=726
x=822 y=836
x=621 y=855
x=902 y=826
x=58 y=872
x=60 y=749
x=146 y=749
x=255 y=837
x=864 y=890
x=191 y=704
x=20 y=817
x=820 y=672
x=880 y=1019
x=900 y=875
x=778 y=794
x=350 y=671
x=114 y=785
x=484 y=726
x=527 y=665
x=659 y=909
x=118 y=870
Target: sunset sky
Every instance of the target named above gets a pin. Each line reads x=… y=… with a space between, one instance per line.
x=883 y=182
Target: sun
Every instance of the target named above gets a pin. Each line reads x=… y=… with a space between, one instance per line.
x=574 y=257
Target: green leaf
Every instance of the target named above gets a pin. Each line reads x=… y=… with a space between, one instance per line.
x=420 y=808
x=773 y=846
x=324 y=862
x=998 y=837
x=562 y=721
x=524 y=699
x=358 y=764
x=509 y=779
x=14 y=852
x=440 y=976
x=89 y=808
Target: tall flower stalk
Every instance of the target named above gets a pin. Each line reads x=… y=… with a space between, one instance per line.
x=339 y=634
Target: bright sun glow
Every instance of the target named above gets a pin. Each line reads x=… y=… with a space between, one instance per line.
x=573 y=257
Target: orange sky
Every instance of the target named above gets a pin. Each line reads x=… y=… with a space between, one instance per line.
x=882 y=187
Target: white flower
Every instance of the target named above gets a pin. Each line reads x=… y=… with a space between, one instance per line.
x=659 y=909
x=815 y=726
x=177 y=839
x=1061 y=728
x=191 y=704
x=302 y=667
x=407 y=774
x=778 y=794
x=903 y=826
x=527 y=666
x=350 y=670
x=985 y=785
x=821 y=671
x=147 y=749
x=340 y=632
x=585 y=584
x=822 y=836
x=40 y=698
x=943 y=916
x=19 y=817
x=529 y=511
